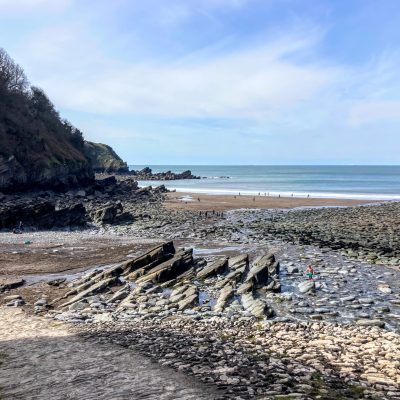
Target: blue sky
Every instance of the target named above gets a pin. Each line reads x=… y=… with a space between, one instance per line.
x=219 y=81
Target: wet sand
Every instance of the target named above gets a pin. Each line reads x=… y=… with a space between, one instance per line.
x=190 y=201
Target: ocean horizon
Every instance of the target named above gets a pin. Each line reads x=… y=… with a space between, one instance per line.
x=374 y=182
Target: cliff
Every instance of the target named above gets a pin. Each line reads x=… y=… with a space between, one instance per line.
x=104 y=158
x=38 y=149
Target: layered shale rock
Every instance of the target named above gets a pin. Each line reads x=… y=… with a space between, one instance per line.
x=164 y=281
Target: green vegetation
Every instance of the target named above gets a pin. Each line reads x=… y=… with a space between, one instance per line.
x=37 y=146
x=104 y=158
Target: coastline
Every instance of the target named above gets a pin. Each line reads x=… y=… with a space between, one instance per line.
x=190 y=201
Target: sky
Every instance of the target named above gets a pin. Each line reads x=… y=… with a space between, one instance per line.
x=218 y=81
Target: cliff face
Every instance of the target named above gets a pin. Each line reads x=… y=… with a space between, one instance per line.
x=37 y=148
x=104 y=158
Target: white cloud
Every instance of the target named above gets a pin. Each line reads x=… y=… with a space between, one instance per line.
x=254 y=83
x=367 y=112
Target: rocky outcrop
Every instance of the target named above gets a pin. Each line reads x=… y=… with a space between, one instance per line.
x=146 y=174
x=164 y=281
x=41 y=214
x=104 y=159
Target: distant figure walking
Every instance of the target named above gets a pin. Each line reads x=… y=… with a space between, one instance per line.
x=308 y=195
x=254 y=198
x=21 y=226
x=310 y=272
x=198 y=199
x=279 y=195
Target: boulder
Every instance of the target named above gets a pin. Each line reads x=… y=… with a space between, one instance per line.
x=306 y=286
x=371 y=322
x=10 y=283
x=107 y=215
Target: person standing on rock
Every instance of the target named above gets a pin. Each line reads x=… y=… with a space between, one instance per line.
x=310 y=272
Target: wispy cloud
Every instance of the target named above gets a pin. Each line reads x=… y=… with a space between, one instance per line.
x=255 y=73
x=10 y=6
x=256 y=83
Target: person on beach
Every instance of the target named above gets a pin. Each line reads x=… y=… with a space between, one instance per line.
x=21 y=226
x=310 y=272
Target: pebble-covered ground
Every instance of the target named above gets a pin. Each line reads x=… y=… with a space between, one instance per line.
x=336 y=337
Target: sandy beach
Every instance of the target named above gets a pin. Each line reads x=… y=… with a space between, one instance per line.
x=190 y=201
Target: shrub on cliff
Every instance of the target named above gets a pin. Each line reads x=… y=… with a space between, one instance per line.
x=37 y=147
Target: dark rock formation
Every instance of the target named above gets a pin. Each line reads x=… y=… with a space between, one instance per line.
x=104 y=159
x=41 y=214
x=146 y=174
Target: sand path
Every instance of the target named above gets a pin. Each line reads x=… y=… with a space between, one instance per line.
x=190 y=201
x=41 y=359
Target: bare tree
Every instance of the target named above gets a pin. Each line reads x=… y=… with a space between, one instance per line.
x=12 y=76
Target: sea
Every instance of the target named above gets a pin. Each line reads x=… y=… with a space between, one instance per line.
x=351 y=182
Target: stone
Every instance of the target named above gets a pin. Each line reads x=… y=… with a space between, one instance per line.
x=56 y=282
x=259 y=272
x=95 y=288
x=170 y=269
x=255 y=306
x=385 y=288
x=292 y=270
x=225 y=295
x=218 y=267
x=371 y=322
x=306 y=286
x=12 y=297
x=241 y=261
x=10 y=283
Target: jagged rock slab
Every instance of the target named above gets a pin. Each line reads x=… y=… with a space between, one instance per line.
x=8 y=284
x=225 y=295
x=188 y=298
x=255 y=306
x=170 y=269
x=151 y=259
x=120 y=294
x=241 y=261
x=218 y=267
x=95 y=288
x=259 y=272
x=245 y=287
